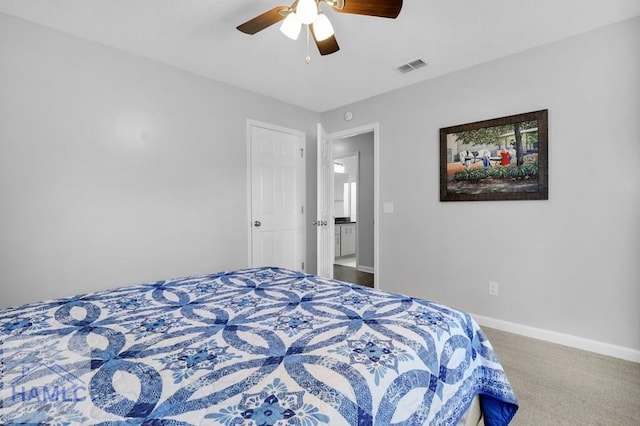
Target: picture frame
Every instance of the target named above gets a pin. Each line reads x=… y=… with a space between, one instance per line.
x=499 y=159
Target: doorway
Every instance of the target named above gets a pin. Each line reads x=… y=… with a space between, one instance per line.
x=366 y=250
x=353 y=208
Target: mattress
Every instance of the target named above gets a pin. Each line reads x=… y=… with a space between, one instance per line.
x=261 y=346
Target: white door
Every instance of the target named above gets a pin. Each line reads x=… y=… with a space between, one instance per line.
x=324 y=218
x=277 y=222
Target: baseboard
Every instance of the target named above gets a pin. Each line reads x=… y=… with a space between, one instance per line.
x=561 y=339
x=367 y=269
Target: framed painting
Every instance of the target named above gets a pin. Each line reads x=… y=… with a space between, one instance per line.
x=503 y=158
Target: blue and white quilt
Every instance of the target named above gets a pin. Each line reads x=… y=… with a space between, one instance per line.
x=264 y=346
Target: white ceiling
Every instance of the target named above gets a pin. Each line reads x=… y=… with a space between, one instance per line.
x=200 y=36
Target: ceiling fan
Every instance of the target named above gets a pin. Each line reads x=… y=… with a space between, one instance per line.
x=308 y=12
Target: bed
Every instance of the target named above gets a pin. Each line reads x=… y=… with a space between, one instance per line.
x=261 y=346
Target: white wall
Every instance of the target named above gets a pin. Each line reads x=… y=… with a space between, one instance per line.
x=116 y=170
x=570 y=264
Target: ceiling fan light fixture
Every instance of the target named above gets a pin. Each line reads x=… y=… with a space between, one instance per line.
x=291 y=26
x=322 y=28
x=319 y=27
x=307 y=11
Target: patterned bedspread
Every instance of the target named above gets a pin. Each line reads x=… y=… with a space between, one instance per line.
x=263 y=346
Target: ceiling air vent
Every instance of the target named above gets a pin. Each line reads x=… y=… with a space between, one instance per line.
x=411 y=66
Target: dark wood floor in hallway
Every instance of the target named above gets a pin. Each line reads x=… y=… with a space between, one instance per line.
x=352 y=275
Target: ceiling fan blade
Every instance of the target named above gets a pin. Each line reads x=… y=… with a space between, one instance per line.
x=263 y=21
x=381 y=8
x=326 y=46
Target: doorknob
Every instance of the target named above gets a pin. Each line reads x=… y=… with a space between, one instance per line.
x=257 y=223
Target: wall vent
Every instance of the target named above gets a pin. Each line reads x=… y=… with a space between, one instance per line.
x=411 y=66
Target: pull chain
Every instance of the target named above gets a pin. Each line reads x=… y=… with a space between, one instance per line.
x=308 y=58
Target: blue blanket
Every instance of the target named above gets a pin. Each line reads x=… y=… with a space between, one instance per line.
x=264 y=346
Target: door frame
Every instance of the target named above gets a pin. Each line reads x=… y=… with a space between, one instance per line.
x=367 y=128
x=274 y=127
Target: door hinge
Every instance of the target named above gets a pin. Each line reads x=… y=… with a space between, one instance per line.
x=301 y=209
x=301 y=152
x=303 y=266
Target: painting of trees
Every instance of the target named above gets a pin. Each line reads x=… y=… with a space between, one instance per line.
x=475 y=167
x=501 y=136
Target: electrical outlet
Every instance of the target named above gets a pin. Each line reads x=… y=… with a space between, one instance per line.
x=493 y=288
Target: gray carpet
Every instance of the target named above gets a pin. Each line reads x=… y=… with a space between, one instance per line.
x=558 y=385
